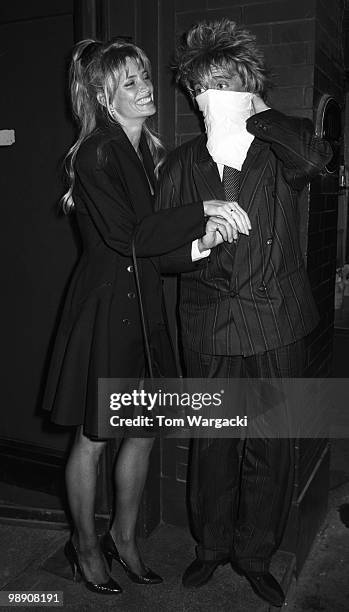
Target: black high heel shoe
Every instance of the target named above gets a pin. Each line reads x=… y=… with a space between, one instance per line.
x=111 y=552
x=106 y=588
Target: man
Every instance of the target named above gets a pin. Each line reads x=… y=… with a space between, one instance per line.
x=247 y=311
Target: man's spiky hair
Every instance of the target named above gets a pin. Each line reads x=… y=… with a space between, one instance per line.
x=221 y=44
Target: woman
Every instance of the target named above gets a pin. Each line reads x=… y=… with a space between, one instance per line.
x=111 y=169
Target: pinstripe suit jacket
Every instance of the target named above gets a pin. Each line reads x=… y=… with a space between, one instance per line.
x=259 y=288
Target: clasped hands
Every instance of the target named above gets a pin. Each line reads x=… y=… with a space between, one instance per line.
x=226 y=221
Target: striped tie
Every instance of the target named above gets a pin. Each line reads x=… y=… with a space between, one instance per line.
x=231 y=183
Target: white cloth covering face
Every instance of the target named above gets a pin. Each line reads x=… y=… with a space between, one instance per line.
x=225 y=114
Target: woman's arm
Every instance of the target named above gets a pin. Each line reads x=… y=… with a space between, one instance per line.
x=108 y=205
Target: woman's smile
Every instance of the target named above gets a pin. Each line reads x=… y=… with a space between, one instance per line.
x=133 y=98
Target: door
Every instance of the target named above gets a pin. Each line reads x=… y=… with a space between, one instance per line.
x=38 y=245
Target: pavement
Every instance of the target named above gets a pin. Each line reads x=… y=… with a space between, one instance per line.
x=31 y=558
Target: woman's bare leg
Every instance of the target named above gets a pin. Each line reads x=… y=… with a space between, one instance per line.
x=81 y=480
x=130 y=474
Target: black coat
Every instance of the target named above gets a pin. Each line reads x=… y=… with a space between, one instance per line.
x=100 y=334
x=259 y=289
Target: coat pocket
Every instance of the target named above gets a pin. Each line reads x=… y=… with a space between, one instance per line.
x=287 y=284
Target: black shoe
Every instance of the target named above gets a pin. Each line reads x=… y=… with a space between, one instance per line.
x=199 y=572
x=106 y=588
x=266 y=587
x=111 y=552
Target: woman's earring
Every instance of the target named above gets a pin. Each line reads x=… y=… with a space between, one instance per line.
x=113 y=112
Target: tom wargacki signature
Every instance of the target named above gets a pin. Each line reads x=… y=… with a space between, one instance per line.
x=161 y=420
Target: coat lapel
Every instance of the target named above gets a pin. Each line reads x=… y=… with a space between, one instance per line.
x=206 y=175
x=251 y=174
x=148 y=162
x=133 y=172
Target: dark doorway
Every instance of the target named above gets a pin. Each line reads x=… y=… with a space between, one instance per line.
x=38 y=245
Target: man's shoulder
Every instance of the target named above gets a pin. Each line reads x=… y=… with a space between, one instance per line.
x=188 y=151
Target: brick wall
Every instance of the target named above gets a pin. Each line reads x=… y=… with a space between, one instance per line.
x=322 y=234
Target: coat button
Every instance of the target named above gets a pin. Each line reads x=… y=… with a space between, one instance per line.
x=269 y=241
x=262 y=288
x=131 y=295
x=129 y=268
x=126 y=321
x=255 y=121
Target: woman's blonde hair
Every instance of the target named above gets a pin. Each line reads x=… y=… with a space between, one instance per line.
x=94 y=75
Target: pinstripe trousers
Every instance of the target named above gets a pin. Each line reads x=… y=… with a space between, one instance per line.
x=240 y=492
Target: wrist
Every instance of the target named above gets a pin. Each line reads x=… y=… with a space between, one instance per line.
x=206 y=205
x=199 y=253
x=200 y=245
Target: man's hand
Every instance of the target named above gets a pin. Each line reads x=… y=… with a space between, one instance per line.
x=231 y=212
x=258 y=105
x=217 y=231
